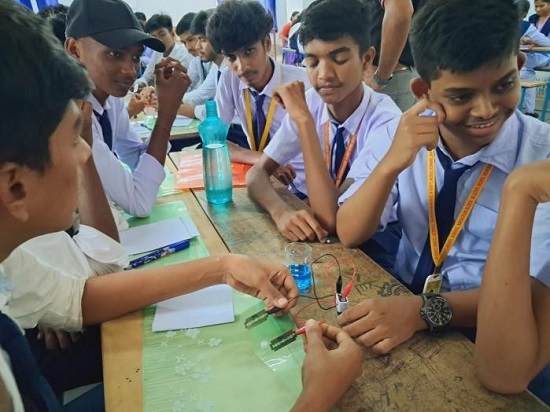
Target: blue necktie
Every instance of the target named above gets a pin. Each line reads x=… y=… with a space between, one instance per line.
x=105 y=124
x=259 y=118
x=339 y=149
x=444 y=214
x=219 y=74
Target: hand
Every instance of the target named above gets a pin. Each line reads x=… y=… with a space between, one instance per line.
x=147 y=93
x=285 y=174
x=329 y=369
x=265 y=280
x=526 y=40
x=57 y=340
x=299 y=225
x=136 y=104
x=413 y=133
x=171 y=84
x=292 y=96
x=532 y=180
x=383 y=323
x=86 y=111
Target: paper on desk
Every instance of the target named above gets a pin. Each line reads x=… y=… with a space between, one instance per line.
x=210 y=306
x=144 y=238
x=182 y=121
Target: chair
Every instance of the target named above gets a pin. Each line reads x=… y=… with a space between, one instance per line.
x=546 y=100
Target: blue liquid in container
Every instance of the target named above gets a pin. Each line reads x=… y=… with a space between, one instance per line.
x=302 y=275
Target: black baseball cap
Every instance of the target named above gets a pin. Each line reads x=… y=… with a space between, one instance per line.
x=109 y=22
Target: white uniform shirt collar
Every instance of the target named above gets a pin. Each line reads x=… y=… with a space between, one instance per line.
x=276 y=78
x=96 y=106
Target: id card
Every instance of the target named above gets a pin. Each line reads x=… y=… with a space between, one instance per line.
x=433 y=283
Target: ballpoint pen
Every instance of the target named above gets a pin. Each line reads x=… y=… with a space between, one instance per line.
x=157 y=254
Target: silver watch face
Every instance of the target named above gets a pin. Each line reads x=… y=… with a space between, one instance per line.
x=438 y=312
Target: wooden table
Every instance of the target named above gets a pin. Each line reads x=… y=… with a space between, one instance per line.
x=535 y=49
x=425 y=373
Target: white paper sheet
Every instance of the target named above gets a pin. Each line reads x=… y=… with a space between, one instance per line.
x=141 y=239
x=182 y=121
x=210 y=306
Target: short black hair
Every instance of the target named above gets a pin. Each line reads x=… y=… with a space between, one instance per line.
x=523 y=7
x=294 y=13
x=53 y=11
x=159 y=21
x=237 y=24
x=329 y=20
x=185 y=23
x=140 y=16
x=199 y=22
x=463 y=35
x=38 y=79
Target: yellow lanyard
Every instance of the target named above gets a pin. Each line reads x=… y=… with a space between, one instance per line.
x=268 y=122
x=345 y=159
x=347 y=153
x=437 y=255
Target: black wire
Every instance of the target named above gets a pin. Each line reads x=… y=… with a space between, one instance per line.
x=315 y=297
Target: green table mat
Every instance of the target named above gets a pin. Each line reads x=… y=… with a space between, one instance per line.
x=216 y=368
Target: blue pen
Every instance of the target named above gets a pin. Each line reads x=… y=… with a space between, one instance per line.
x=157 y=254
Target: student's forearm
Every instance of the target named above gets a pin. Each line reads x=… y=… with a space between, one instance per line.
x=187 y=110
x=158 y=145
x=242 y=155
x=359 y=217
x=93 y=207
x=395 y=30
x=506 y=318
x=109 y=296
x=261 y=190
x=322 y=193
x=309 y=401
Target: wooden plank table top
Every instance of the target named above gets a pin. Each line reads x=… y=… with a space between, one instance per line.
x=424 y=373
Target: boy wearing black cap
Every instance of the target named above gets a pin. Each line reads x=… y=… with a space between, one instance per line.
x=108 y=40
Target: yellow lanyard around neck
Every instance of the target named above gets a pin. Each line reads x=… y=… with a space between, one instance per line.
x=438 y=255
x=269 y=120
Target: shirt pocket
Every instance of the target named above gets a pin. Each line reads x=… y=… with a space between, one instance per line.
x=482 y=222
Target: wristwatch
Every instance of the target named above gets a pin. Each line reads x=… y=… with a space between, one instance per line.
x=436 y=312
x=379 y=81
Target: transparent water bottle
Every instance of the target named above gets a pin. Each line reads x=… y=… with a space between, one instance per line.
x=218 y=179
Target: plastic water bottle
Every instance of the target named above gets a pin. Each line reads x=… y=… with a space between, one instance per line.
x=218 y=179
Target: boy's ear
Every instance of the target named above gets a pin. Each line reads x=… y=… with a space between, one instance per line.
x=521 y=60
x=72 y=47
x=368 y=57
x=419 y=87
x=13 y=193
x=267 y=43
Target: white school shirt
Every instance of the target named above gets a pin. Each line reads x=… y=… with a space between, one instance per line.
x=230 y=99
x=372 y=116
x=135 y=192
x=197 y=72
x=47 y=275
x=206 y=91
x=214 y=76
x=521 y=140
x=179 y=52
x=533 y=60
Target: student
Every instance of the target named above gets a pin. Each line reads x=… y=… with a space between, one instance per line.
x=184 y=34
x=193 y=101
x=513 y=338
x=468 y=64
x=112 y=62
x=197 y=70
x=531 y=36
x=540 y=18
x=40 y=167
x=240 y=31
x=285 y=30
x=160 y=27
x=339 y=118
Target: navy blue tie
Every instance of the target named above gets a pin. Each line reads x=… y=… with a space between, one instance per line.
x=259 y=118
x=219 y=74
x=339 y=149
x=444 y=214
x=105 y=124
